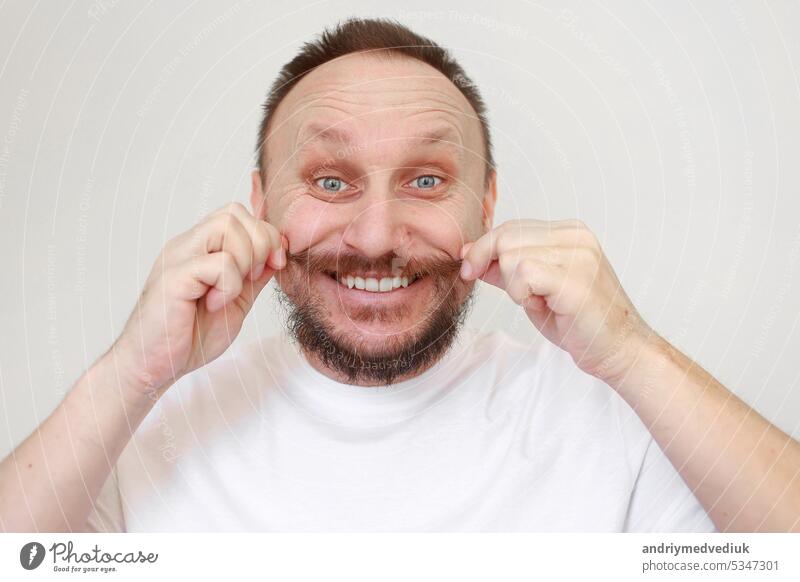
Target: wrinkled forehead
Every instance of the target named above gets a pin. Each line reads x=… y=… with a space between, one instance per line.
x=362 y=99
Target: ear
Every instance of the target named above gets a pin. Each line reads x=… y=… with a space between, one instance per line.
x=489 y=201
x=257 y=200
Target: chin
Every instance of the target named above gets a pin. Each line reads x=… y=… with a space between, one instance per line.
x=372 y=329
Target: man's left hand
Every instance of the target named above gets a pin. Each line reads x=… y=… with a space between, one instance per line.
x=557 y=271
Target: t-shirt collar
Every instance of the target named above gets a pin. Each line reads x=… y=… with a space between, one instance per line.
x=338 y=402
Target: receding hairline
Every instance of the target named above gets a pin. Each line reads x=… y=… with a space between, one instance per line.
x=382 y=38
x=379 y=53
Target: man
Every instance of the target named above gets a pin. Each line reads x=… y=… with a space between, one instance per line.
x=372 y=207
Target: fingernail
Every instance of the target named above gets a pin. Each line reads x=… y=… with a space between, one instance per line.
x=280 y=257
x=466 y=269
x=258 y=271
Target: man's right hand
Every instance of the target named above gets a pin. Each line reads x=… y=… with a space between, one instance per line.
x=192 y=307
x=197 y=295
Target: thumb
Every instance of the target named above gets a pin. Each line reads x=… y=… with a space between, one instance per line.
x=493 y=276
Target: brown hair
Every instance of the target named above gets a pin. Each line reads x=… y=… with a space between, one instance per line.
x=373 y=34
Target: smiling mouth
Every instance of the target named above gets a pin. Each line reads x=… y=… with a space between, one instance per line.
x=374 y=284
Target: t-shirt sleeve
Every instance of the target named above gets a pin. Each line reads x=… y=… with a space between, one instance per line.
x=662 y=501
x=106 y=515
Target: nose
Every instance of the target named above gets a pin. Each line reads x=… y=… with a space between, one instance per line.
x=377 y=227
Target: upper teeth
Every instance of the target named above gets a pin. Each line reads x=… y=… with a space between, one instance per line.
x=375 y=285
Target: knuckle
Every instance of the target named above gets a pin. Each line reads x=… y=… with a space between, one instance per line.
x=583 y=233
x=271 y=231
x=235 y=266
x=219 y=211
x=588 y=254
x=228 y=261
x=590 y=240
x=234 y=208
x=262 y=237
x=173 y=245
x=235 y=235
x=219 y=222
x=164 y=254
x=186 y=283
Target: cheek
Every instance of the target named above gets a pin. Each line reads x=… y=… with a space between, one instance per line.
x=305 y=221
x=448 y=226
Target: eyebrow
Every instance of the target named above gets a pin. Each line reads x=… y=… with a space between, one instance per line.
x=332 y=134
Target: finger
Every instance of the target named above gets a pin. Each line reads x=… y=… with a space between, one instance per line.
x=501 y=271
x=210 y=234
x=528 y=289
x=521 y=234
x=277 y=257
x=214 y=233
x=231 y=236
x=505 y=238
x=493 y=276
x=267 y=241
x=535 y=303
x=277 y=242
x=524 y=275
x=478 y=256
x=215 y=275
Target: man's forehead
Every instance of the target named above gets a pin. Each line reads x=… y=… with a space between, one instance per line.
x=350 y=132
x=361 y=94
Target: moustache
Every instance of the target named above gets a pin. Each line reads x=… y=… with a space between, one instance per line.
x=390 y=263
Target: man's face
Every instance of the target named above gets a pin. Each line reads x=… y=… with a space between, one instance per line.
x=375 y=175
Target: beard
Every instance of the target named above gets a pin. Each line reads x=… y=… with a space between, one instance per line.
x=392 y=356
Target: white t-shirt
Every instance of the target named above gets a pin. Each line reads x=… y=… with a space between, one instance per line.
x=496 y=436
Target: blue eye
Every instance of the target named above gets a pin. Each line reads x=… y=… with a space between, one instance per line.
x=427 y=181
x=331 y=184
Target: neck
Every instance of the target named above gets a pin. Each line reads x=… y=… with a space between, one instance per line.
x=316 y=362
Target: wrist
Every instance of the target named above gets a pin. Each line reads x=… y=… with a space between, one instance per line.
x=134 y=383
x=637 y=355
x=649 y=357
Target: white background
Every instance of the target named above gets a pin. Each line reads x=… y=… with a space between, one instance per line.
x=671 y=128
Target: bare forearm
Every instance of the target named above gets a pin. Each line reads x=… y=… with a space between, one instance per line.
x=743 y=470
x=50 y=481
